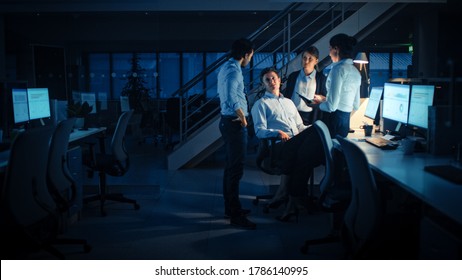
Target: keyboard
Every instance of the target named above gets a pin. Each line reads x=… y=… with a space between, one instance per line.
x=382 y=143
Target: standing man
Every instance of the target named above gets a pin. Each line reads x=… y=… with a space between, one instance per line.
x=233 y=128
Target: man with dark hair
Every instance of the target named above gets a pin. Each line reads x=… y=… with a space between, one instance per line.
x=233 y=128
x=300 y=147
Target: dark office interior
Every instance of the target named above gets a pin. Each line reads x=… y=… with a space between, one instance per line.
x=178 y=212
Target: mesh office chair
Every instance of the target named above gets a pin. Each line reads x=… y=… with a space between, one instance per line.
x=115 y=163
x=61 y=184
x=335 y=190
x=30 y=217
x=364 y=214
x=369 y=232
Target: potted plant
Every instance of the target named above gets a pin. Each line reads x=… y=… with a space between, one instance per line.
x=79 y=111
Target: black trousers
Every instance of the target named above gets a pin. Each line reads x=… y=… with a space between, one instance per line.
x=298 y=157
x=235 y=138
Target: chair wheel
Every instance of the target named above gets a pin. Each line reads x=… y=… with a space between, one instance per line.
x=137 y=206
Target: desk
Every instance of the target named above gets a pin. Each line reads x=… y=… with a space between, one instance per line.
x=407 y=171
x=74 y=136
x=80 y=134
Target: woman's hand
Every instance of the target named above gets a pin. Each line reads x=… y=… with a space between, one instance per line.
x=318 y=98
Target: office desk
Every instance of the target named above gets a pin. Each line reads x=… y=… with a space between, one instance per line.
x=80 y=134
x=407 y=171
x=73 y=137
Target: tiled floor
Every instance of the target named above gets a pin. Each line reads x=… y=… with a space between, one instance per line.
x=181 y=217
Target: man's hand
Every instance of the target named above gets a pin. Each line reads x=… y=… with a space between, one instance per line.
x=284 y=136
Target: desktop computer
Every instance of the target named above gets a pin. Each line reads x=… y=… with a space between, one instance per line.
x=444 y=129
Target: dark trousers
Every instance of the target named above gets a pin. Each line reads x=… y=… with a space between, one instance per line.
x=299 y=156
x=235 y=138
x=338 y=123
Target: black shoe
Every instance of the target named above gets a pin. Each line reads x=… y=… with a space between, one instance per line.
x=242 y=212
x=243 y=222
x=287 y=217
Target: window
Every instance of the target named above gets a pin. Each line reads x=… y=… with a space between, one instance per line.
x=98 y=75
x=193 y=65
x=169 y=78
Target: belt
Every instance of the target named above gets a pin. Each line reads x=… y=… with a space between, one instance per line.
x=228 y=117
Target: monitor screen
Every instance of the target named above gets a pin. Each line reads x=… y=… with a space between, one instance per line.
x=396 y=102
x=20 y=107
x=421 y=98
x=39 y=103
x=374 y=101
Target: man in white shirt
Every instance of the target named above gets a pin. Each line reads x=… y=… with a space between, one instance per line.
x=275 y=116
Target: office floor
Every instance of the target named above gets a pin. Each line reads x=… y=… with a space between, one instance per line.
x=181 y=217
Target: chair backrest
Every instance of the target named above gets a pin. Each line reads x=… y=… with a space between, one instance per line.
x=328 y=146
x=119 y=152
x=335 y=186
x=60 y=182
x=364 y=212
x=25 y=197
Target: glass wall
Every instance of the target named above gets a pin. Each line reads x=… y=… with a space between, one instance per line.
x=169 y=74
x=98 y=77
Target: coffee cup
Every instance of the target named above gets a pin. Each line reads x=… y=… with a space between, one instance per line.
x=408 y=146
x=367 y=129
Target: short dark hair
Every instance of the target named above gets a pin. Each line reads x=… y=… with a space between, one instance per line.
x=266 y=71
x=241 y=47
x=312 y=50
x=344 y=43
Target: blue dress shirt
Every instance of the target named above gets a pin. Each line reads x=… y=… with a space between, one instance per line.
x=231 y=88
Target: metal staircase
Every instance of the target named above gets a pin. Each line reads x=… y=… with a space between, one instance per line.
x=298 y=26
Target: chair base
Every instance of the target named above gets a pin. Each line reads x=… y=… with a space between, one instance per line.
x=118 y=197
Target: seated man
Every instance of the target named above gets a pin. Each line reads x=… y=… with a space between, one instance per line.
x=300 y=148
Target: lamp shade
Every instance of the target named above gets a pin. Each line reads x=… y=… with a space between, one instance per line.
x=361 y=58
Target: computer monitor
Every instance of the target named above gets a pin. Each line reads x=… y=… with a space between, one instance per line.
x=39 y=103
x=396 y=102
x=374 y=101
x=421 y=98
x=20 y=106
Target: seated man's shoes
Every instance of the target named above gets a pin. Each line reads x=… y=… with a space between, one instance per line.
x=242 y=222
x=242 y=212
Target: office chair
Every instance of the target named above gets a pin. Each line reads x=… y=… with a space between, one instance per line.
x=368 y=231
x=30 y=217
x=61 y=184
x=115 y=163
x=266 y=160
x=335 y=190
